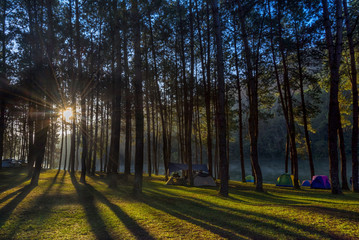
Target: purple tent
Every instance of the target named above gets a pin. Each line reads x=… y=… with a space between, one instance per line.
x=320 y=182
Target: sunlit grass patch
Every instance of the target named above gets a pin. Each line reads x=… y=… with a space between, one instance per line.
x=62 y=207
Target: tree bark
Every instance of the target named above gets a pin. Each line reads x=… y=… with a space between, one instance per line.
x=334 y=51
x=354 y=143
x=253 y=103
x=93 y=170
x=291 y=126
x=3 y=82
x=239 y=90
x=304 y=109
x=116 y=102
x=128 y=98
x=137 y=187
x=41 y=131
x=221 y=101
x=343 y=158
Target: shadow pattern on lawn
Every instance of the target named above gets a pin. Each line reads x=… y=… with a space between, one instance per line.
x=198 y=211
x=93 y=216
x=12 y=180
x=7 y=210
x=90 y=192
x=35 y=208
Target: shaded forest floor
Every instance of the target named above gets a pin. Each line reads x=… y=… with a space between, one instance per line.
x=63 y=208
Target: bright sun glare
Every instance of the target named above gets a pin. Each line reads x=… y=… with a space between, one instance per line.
x=67 y=114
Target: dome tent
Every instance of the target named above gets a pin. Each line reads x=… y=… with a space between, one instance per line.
x=320 y=182
x=285 y=180
x=249 y=178
x=203 y=179
x=306 y=183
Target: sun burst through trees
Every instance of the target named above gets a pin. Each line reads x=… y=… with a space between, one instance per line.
x=67 y=114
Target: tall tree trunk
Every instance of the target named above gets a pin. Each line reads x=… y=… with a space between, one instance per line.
x=189 y=110
x=30 y=156
x=343 y=158
x=203 y=81
x=62 y=140
x=304 y=109
x=287 y=150
x=102 y=135
x=73 y=137
x=92 y=142
x=107 y=137
x=41 y=131
x=199 y=127
x=208 y=96
x=161 y=105
x=128 y=98
x=354 y=143
x=292 y=133
x=148 y=115
x=73 y=96
x=96 y=133
x=221 y=101
x=3 y=82
x=239 y=90
x=137 y=84
x=66 y=147
x=116 y=102
x=154 y=137
x=253 y=103
x=334 y=51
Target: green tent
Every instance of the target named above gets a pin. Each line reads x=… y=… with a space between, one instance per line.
x=249 y=178
x=285 y=180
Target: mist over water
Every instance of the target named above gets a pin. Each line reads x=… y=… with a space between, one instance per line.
x=271 y=168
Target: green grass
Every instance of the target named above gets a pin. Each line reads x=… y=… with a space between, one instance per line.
x=62 y=208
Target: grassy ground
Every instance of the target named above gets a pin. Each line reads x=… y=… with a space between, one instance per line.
x=62 y=208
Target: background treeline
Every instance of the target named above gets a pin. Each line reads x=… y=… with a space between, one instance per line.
x=152 y=82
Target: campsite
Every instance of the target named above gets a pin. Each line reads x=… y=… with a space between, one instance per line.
x=63 y=208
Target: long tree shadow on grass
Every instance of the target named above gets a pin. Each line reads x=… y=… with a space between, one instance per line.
x=11 y=179
x=7 y=210
x=337 y=213
x=198 y=213
x=40 y=207
x=7 y=197
x=94 y=218
x=130 y=223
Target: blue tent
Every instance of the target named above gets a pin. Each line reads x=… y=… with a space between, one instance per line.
x=176 y=167
x=306 y=183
